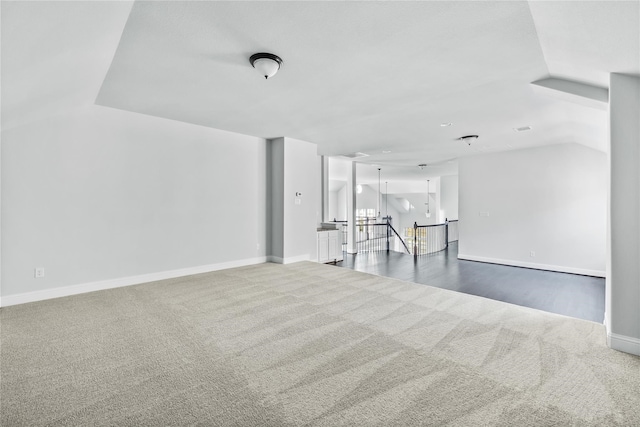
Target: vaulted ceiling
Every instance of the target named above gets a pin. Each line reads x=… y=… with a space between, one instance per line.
x=372 y=77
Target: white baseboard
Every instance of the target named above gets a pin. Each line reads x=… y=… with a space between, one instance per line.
x=279 y=260
x=623 y=343
x=65 y=291
x=558 y=268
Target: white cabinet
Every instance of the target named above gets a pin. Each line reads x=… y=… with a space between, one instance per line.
x=323 y=246
x=334 y=249
x=329 y=246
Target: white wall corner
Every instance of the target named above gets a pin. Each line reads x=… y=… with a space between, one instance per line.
x=573 y=91
x=299 y=258
x=623 y=343
x=65 y=291
x=289 y=260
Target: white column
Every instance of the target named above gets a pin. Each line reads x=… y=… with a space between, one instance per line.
x=352 y=247
x=294 y=200
x=623 y=271
x=439 y=219
x=324 y=189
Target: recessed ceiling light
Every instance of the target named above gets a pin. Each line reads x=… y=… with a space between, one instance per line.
x=386 y=151
x=444 y=125
x=522 y=129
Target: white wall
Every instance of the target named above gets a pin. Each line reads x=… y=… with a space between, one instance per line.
x=623 y=275
x=388 y=208
x=275 y=195
x=415 y=215
x=550 y=200
x=342 y=204
x=301 y=176
x=449 y=197
x=419 y=200
x=368 y=199
x=102 y=194
x=334 y=210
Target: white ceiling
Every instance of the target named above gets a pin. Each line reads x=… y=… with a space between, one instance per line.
x=55 y=55
x=357 y=76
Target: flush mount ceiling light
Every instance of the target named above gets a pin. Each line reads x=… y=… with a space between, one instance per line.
x=267 y=64
x=422 y=166
x=468 y=138
x=522 y=129
x=444 y=125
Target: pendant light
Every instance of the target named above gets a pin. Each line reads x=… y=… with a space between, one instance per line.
x=379 y=195
x=428 y=214
x=386 y=199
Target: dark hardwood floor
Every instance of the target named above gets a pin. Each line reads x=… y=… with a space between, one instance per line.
x=568 y=294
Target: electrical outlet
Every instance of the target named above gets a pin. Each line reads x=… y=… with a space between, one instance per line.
x=38 y=272
x=532 y=254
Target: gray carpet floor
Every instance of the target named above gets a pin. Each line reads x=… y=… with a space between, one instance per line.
x=305 y=344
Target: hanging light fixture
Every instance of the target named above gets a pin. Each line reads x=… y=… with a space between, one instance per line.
x=267 y=64
x=386 y=199
x=428 y=214
x=379 y=194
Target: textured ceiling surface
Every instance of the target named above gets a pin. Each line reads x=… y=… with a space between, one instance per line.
x=357 y=76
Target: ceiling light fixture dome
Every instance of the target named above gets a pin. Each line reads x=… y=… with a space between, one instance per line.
x=267 y=64
x=468 y=138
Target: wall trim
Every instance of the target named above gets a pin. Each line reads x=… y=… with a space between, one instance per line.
x=289 y=260
x=65 y=291
x=546 y=267
x=623 y=343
